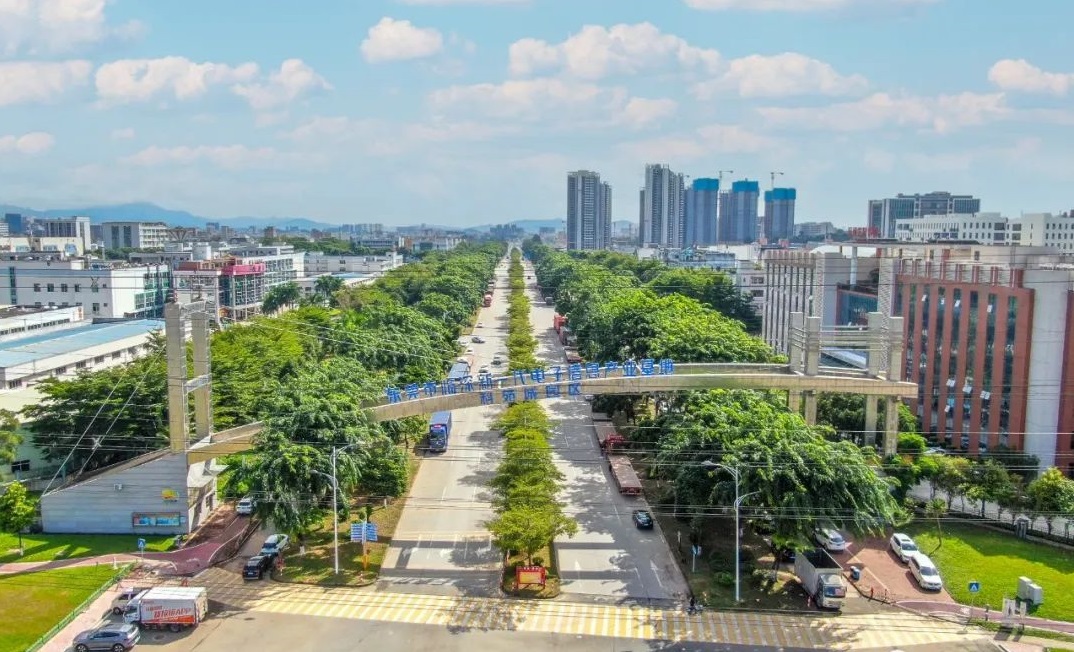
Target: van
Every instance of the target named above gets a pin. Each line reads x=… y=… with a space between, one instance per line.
x=119 y=603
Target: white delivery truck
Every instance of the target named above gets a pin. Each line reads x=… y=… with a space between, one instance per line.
x=821 y=577
x=174 y=607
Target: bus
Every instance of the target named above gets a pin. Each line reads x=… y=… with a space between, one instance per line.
x=439 y=431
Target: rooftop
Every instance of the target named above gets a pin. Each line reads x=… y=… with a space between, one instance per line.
x=71 y=340
x=7 y=312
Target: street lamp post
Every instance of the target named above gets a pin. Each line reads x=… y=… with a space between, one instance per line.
x=709 y=464
x=335 y=507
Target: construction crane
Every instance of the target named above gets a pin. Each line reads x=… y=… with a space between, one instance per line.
x=774 y=177
x=721 y=176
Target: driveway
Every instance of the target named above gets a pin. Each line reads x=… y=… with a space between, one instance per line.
x=887 y=577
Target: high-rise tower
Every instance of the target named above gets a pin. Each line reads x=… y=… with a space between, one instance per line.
x=589 y=211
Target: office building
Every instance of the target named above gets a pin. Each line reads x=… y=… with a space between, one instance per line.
x=589 y=211
x=700 y=218
x=778 y=221
x=811 y=230
x=317 y=264
x=75 y=228
x=1028 y=230
x=738 y=213
x=662 y=205
x=135 y=235
x=883 y=213
x=15 y=223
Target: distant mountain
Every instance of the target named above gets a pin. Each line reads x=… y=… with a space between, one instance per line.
x=529 y=226
x=147 y=212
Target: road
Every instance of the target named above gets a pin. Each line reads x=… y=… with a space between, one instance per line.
x=440 y=542
x=608 y=557
x=274 y=617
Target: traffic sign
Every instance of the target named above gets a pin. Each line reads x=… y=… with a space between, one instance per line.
x=363 y=531
x=975 y=587
x=141 y=545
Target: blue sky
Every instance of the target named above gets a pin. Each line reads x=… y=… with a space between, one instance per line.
x=472 y=111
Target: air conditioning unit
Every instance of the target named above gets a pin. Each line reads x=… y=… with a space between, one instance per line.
x=118 y=486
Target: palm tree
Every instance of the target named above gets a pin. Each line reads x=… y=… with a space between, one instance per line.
x=279 y=296
x=326 y=286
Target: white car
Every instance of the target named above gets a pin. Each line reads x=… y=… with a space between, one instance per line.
x=245 y=507
x=903 y=546
x=484 y=370
x=480 y=324
x=924 y=571
x=830 y=539
x=497 y=361
x=275 y=544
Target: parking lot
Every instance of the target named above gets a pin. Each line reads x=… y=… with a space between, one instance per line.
x=883 y=573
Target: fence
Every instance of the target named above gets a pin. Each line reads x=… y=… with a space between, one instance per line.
x=1062 y=528
x=77 y=611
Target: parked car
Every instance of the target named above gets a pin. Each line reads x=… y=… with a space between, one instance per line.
x=245 y=507
x=497 y=360
x=274 y=545
x=924 y=571
x=903 y=546
x=119 y=603
x=477 y=339
x=484 y=370
x=643 y=520
x=256 y=567
x=480 y=324
x=830 y=539
x=115 y=638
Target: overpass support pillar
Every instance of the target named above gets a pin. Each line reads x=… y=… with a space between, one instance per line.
x=795 y=349
x=878 y=337
x=896 y=363
x=180 y=385
x=812 y=365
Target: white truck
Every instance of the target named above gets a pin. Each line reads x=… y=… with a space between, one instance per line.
x=821 y=577
x=174 y=607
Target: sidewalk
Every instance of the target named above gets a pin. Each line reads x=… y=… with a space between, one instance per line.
x=946 y=608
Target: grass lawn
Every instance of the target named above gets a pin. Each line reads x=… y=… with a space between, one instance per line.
x=317 y=565
x=34 y=603
x=996 y=560
x=48 y=547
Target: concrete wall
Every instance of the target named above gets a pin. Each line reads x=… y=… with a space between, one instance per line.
x=97 y=506
x=1047 y=343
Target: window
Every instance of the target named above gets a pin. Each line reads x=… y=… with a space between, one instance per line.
x=117 y=355
x=96 y=308
x=61 y=371
x=78 y=287
x=81 y=364
x=37 y=287
x=51 y=287
x=63 y=287
x=14 y=384
x=20 y=466
x=98 y=360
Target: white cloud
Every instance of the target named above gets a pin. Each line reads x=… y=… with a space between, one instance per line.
x=641 y=111
x=48 y=26
x=123 y=134
x=943 y=113
x=400 y=40
x=598 y=51
x=1020 y=75
x=800 y=6
x=230 y=157
x=39 y=81
x=294 y=79
x=140 y=80
x=382 y=138
x=34 y=142
x=708 y=140
x=527 y=98
x=780 y=75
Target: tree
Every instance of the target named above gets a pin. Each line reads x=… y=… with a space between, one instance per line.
x=279 y=296
x=10 y=439
x=18 y=510
x=529 y=527
x=988 y=482
x=936 y=509
x=1051 y=495
x=326 y=287
x=952 y=477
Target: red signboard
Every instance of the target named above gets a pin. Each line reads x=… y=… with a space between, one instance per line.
x=525 y=575
x=243 y=270
x=863 y=233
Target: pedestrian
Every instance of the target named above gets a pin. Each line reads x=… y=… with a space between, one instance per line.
x=693 y=605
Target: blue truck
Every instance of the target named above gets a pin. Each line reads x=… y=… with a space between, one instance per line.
x=439 y=431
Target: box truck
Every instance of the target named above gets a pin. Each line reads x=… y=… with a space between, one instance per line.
x=174 y=607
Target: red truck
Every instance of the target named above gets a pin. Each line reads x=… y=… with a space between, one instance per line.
x=607 y=437
x=488 y=300
x=625 y=477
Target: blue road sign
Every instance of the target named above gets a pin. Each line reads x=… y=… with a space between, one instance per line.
x=975 y=587
x=141 y=545
x=358 y=529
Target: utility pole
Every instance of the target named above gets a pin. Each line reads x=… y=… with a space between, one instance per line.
x=774 y=174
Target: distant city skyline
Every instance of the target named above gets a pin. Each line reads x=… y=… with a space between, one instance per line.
x=453 y=112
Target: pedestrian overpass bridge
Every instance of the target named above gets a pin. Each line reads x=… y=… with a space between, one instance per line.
x=803 y=377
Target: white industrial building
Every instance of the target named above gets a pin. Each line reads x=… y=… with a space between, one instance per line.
x=104 y=289
x=317 y=263
x=135 y=235
x=1028 y=230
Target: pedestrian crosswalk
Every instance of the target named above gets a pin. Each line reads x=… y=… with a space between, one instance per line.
x=847 y=632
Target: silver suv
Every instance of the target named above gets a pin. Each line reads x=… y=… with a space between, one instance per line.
x=115 y=638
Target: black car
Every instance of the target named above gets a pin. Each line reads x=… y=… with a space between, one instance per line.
x=256 y=567
x=643 y=520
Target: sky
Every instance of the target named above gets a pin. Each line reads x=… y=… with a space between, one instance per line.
x=462 y=112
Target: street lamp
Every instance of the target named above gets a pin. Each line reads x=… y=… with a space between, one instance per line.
x=713 y=466
x=335 y=493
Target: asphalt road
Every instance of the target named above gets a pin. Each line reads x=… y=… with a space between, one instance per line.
x=440 y=540
x=274 y=632
x=608 y=557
